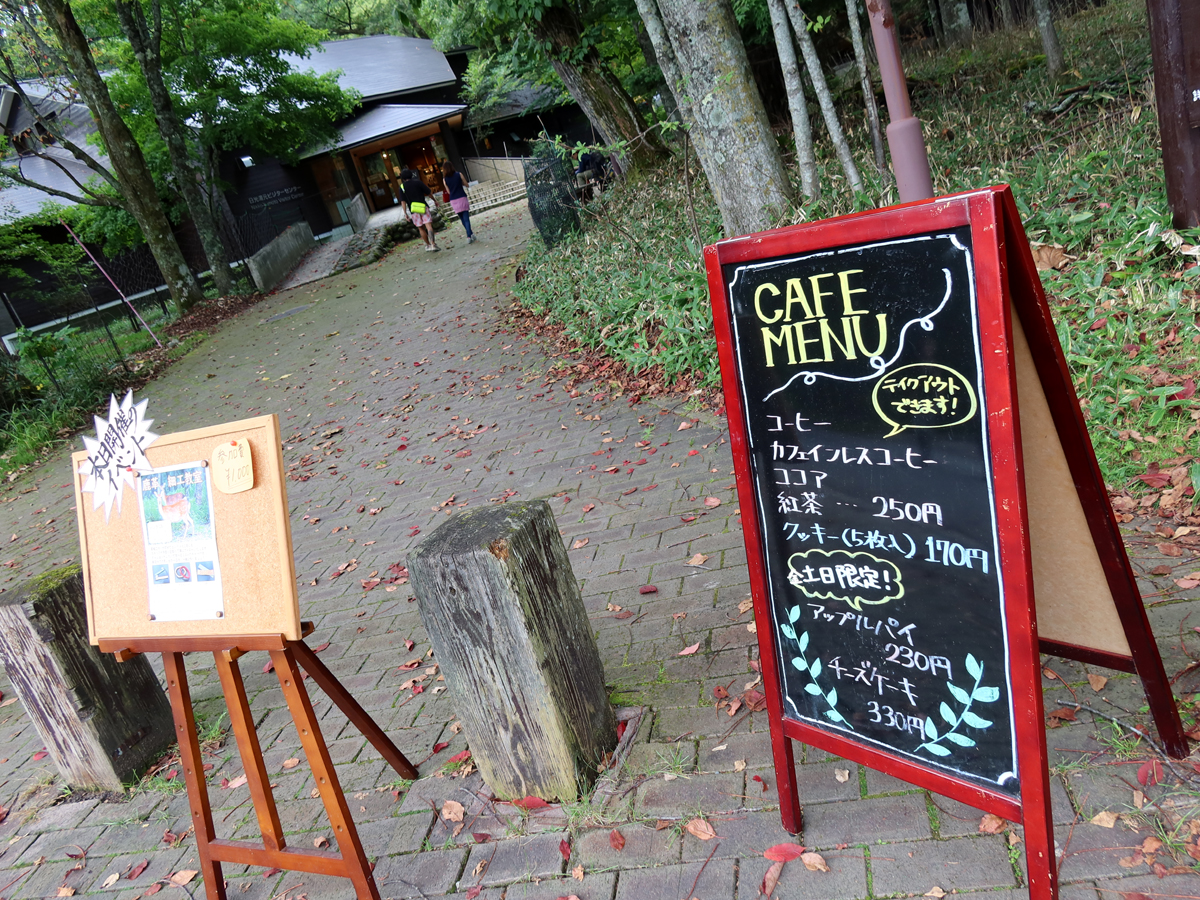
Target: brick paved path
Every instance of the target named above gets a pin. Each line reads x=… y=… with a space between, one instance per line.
x=394 y=394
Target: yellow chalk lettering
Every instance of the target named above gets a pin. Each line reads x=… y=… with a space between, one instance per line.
x=882 y=320
x=770 y=340
x=848 y=301
x=795 y=294
x=828 y=336
x=802 y=341
x=757 y=302
x=815 y=283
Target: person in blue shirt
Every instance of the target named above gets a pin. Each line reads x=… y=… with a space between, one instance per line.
x=456 y=187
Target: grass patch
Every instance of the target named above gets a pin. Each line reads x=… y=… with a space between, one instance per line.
x=1081 y=153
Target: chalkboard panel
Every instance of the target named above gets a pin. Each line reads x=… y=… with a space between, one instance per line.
x=861 y=382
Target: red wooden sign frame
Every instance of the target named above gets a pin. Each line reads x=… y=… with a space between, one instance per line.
x=1006 y=281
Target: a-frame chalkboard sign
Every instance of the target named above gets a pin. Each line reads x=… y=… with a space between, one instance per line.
x=912 y=467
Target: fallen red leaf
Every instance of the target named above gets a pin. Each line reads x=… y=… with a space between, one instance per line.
x=1186 y=392
x=771 y=878
x=41 y=754
x=565 y=849
x=439 y=747
x=138 y=869
x=616 y=840
x=481 y=837
x=474 y=892
x=688 y=651
x=530 y=803
x=153 y=889
x=784 y=852
x=268 y=668
x=1150 y=773
x=647 y=589
x=460 y=757
x=319 y=648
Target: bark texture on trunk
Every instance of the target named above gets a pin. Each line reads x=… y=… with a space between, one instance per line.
x=603 y=100
x=935 y=22
x=813 y=63
x=956 y=21
x=864 y=77
x=128 y=163
x=1050 y=44
x=806 y=158
x=732 y=136
x=146 y=42
x=1008 y=16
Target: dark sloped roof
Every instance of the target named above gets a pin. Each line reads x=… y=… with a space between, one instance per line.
x=75 y=121
x=384 y=120
x=380 y=65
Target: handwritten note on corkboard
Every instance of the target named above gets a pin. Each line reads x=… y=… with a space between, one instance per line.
x=253 y=537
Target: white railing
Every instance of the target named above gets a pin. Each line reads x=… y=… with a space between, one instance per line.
x=487 y=168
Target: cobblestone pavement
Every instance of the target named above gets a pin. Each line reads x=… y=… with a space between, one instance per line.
x=317 y=263
x=396 y=394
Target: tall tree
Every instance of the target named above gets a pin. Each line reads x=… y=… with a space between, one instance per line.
x=560 y=29
x=1050 y=44
x=956 y=21
x=864 y=77
x=132 y=177
x=806 y=158
x=824 y=98
x=733 y=138
x=145 y=39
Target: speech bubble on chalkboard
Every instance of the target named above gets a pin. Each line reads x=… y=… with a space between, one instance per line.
x=923 y=395
x=854 y=578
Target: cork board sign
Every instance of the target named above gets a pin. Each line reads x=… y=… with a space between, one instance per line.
x=234 y=574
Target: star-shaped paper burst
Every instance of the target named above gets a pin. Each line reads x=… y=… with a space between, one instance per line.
x=117 y=451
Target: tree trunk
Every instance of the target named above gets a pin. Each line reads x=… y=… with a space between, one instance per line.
x=732 y=135
x=664 y=55
x=935 y=22
x=1008 y=17
x=806 y=159
x=597 y=91
x=1045 y=26
x=956 y=21
x=651 y=58
x=146 y=44
x=137 y=184
x=824 y=98
x=864 y=77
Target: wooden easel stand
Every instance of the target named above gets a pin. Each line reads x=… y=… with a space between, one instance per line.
x=289 y=658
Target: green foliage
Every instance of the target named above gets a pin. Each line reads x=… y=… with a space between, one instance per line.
x=43 y=345
x=1125 y=288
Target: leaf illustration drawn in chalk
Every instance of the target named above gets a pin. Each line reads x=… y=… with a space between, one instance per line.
x=934 y=740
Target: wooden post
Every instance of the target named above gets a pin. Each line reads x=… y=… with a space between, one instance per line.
x=510 y=632
x=102 y=721
x=1175 y=47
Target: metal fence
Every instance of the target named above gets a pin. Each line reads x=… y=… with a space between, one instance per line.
x=550 y=187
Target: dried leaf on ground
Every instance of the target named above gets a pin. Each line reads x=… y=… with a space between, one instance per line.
x=616 y=840
x=183 y=876
x=991 y=824
x=236 y=783
x=111 y=880
x=321 y=842
x=1097 y=681
x=452 y=811
x=712 y=502
x=842 y=775
x=936 y=892
x=688 y=651
x=1105 y=819
x=699 y=828
x=771 y=878
x=814 y=862
x=530 y=803
x=698 y=559
x=138 y=869
x=746 y=605
x=582 y=542
x=66 y=891
x=291 y=763
x=565 y=849
x=577 y=873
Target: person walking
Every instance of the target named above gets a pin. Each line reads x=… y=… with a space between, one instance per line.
x=418 y=204
x=456 y=188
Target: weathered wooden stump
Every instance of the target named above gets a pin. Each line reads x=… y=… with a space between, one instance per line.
x=512 y=637
x=102 y=721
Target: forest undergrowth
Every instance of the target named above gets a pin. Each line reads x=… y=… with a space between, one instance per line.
x=627 y=302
